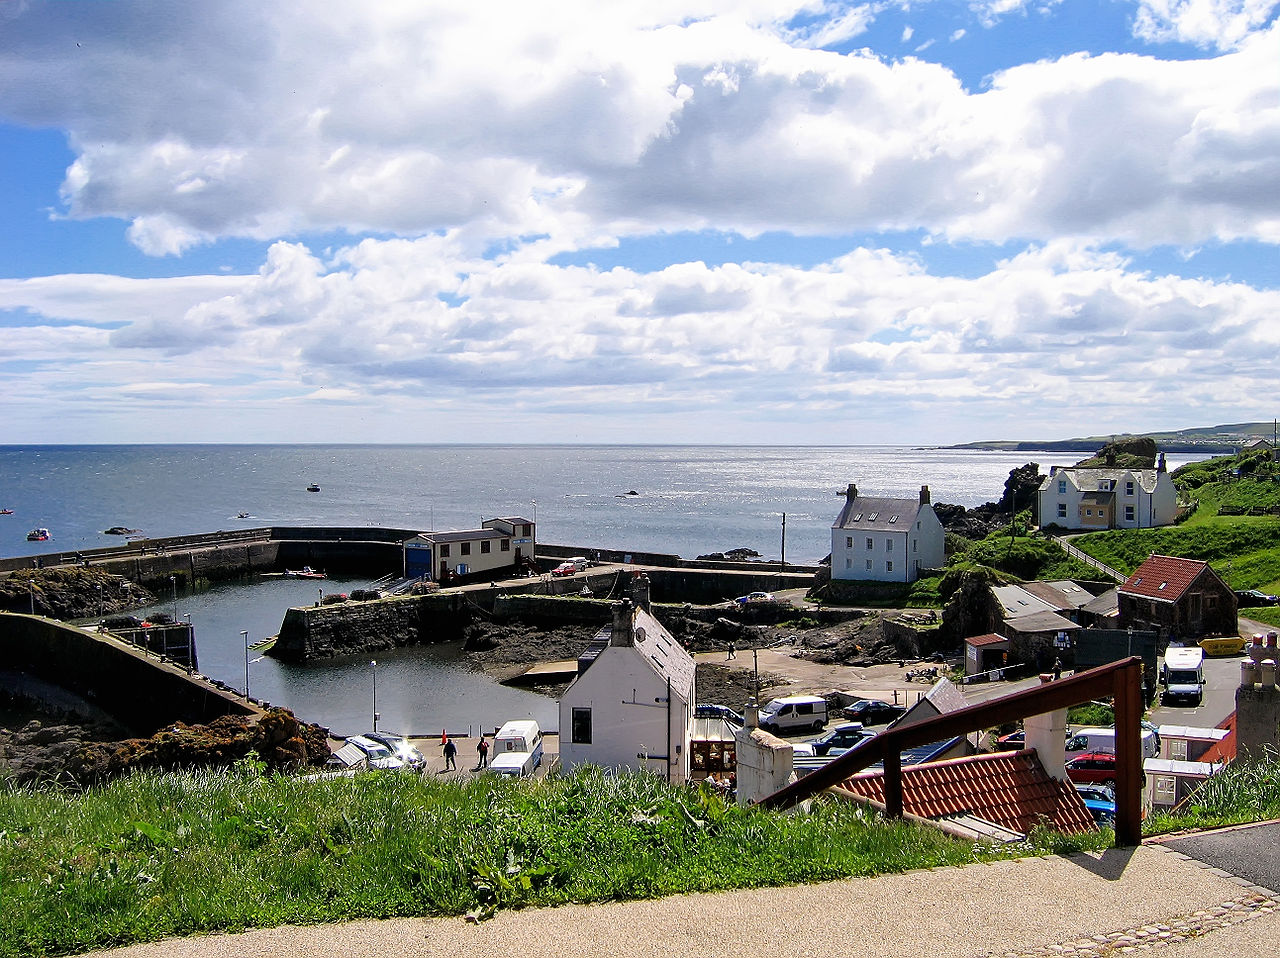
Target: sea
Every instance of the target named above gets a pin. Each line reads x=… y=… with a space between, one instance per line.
x=686 y=500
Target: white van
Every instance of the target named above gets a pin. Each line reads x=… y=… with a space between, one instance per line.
x=516 y=737
x=515 y=764
x=794 y=713
x=1104 y=740
x=1183 y=675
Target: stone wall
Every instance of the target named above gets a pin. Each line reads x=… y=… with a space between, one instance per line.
x=137 y=689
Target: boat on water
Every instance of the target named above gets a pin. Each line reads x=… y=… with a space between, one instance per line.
x=6 y=512
x=306 y=572
x=242 y=515
x=313 y=488
x=39 y=535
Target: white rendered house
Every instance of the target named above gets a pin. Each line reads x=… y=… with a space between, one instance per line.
x=886 y=540
x=1088 y=498
x=631 y=705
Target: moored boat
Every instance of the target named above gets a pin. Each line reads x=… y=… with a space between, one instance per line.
x=306 y=572
x=39 y=535
x=313 y=488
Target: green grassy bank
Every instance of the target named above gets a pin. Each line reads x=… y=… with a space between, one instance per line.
x=155 y=855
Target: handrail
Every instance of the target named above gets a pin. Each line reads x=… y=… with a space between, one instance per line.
x=1122 y=680
x=1084 y=557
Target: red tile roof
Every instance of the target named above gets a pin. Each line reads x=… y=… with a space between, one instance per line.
x=1163 y=577
x=1009 y=788
x=989 y=639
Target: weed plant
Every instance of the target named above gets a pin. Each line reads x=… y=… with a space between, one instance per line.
x=158 y=855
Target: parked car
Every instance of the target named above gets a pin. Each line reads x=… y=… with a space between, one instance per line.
x=400 y=747
x=720 y=712
x=362 y=751
x=1104 y=813
x=1013 y=742
x=1093 y=768
x=1101 y=793
x=565 y=568
x=838 y=740
x=753 y=597
x=872 y=712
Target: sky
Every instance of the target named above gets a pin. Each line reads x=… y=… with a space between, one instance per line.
x=642 y=221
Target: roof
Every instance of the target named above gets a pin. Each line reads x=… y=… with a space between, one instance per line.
x=1040 y=622
x=1170 y=766
x=1011 y=789
x=1086 y=478
x=1225 y=750
x=468 y=536
x=1015 y=600
x=712 y=730
x=1193 y=732
x=1106 y=604
x=878 y=515
x=1062 y=594
x=663 y=653
x=1164 y=577
x=982 y=641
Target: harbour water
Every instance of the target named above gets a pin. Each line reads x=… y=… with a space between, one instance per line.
x=691 y=501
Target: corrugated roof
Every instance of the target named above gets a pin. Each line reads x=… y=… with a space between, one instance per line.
x=1163 y=577
x=1040 y=622
x=980 y=641
x=1015 y=600
x=1011 y=789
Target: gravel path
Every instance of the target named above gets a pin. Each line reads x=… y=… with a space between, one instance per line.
x=1117 y=902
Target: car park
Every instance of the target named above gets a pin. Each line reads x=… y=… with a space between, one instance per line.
x=1093 y=768
x=400 y=747
x=840 y=739
x=873 y=712
x=720 y=712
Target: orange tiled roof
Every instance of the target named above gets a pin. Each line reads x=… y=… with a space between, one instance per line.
x=989 y=639
x=1163 y=577
x=1009 y=788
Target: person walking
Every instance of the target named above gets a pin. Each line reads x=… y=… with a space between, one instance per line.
x=483 y=748
x=450 y=755
x=733 y=649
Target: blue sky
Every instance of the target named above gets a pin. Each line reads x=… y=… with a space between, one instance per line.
x=675 y=221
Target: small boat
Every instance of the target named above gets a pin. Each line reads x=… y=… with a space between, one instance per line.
x=313 y=488
x=39 y=535
x=6 y=512
x=242 y=515
x=306 y=572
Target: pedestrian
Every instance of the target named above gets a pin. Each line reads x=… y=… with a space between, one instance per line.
x=733 y=649
x=483 y=749
x=1057 y=669
x=450 y=754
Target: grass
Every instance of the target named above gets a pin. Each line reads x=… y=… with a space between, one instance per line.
x=155 y=855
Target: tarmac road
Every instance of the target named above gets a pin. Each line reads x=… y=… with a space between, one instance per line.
x=1249 y=851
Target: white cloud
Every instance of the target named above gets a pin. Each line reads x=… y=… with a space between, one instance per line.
x=1217 y=24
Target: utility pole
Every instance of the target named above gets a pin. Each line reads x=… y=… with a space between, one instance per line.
x=783 y=567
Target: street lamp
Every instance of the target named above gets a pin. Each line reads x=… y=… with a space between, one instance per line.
x=190 y=639
x=173 y=582
x=31 y=591
x=374 y=663
x=244 y=634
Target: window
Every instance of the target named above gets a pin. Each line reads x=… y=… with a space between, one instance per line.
x=870 y=545
x=1062 y=510
x=1128 y=488
x=1088 y=512
x=848 y=563
x=444 y=551
x=466 y=548
x=872 y=517
x=888 y=567
x=1062 y=487
x=1128 y=513
x=892 y=520
x=485 y=546
x=915 y=545
x=506 y=545
x=581 y=731
x=1166 y=790
x=1178 y=749
x=888 y=545
x=848 y=542
x=526 y=530
x=868 y=565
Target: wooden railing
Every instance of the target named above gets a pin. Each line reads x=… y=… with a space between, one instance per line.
x=1121 y=680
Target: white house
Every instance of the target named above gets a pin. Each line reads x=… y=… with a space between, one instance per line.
x=886 y=540
x=499 y=546
x=631 y=705
x=1088 y=498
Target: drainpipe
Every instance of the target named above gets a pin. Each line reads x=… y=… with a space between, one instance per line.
x=669 y=752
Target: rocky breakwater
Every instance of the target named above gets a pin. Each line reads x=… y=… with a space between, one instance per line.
x=69 y=592
x=318 y=632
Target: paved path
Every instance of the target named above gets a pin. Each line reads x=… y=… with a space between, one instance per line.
x=1147 y=900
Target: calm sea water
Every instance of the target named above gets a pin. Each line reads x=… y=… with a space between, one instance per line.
x=692 y=500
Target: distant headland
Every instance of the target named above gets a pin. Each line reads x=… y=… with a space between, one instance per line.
x=1224 y=438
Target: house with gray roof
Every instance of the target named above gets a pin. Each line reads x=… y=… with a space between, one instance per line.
x=1075 y=497
x=631 y=705
x=886 y=540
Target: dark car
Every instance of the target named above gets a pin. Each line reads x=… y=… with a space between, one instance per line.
x=720 y=712
x=1013 y=742
x=872 y=712
x=840 y=739
x=1093 y=768
x=1255 y=597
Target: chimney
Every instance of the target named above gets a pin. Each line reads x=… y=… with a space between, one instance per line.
x=924 y=495
x=1162 y=467
x=1110 y=457
x=623 y=620
x=851 y=493
x=640 y=591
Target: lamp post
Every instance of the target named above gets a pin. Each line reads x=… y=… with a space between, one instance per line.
x=31 y=591
x=173 y=583
x=374 y=664
x=244 y=634
x=190 y=639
